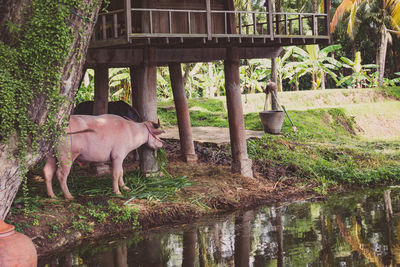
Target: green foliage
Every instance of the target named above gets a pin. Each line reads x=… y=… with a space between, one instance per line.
x=30 y=72
x=326 y=151
x=392 y=91
x=123 y=214
x=203 y=112
x=160 y=189
x=359 y=77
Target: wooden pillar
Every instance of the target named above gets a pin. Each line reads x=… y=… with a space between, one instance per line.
x=100 y=90
x=240 y=161
x=100 y=106
x=145 y=102
x=182 y=113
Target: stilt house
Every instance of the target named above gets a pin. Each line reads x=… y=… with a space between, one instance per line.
x=144 y=34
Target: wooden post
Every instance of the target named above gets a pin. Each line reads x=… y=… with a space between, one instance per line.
x=182 y=113
x=100 y=106
x=100 y=90
x=208 y=9
x=145 y=102
x=327 y=11
x=231 y=29
x=128 y=18
x=270 y=11
x=240 y=161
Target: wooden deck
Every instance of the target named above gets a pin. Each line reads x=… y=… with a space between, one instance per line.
x=212 y=28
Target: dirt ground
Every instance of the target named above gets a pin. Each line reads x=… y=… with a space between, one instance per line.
x=214 y=190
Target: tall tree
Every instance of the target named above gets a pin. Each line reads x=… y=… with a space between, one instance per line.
x=43 y=46
x=388 y=8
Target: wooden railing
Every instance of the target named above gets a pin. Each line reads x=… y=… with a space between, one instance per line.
x=214 y=24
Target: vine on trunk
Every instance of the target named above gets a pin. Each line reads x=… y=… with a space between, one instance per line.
x=31 y=64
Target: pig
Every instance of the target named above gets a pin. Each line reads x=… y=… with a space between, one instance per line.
x=98 y=139
x=119 y=108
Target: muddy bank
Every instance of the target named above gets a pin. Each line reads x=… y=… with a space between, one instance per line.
x=57 y=224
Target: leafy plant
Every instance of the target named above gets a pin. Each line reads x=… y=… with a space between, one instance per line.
x=359 y=78
x=314 y=61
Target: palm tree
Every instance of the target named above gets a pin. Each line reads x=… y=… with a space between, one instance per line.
x=386 y=6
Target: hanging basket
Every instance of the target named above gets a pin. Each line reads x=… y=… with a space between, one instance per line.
x=272 y=121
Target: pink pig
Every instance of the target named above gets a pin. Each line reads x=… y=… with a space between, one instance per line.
x=99 y=139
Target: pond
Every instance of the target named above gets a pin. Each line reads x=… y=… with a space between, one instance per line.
x=357 y=229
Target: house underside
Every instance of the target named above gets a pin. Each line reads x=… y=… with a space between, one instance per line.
x=142 y=35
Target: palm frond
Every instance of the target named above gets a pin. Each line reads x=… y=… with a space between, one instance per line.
x=394 y=8
x=345 y=6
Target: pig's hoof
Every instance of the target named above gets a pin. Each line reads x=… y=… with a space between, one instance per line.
x=127 y=189
x=118 y=193
x=69 y=197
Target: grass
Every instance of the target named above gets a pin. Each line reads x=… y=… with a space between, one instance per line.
x=153 y=188
x=392 y=91
x=203 y=112
x=327 y=149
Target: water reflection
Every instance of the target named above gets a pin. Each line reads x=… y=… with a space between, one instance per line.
x=360 y=229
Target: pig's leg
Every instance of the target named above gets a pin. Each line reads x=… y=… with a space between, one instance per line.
x=49 y=169
x=62 y=175
x=118 y=174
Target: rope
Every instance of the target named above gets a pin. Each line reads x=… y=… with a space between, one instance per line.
x=82 y=17
x=78 y=15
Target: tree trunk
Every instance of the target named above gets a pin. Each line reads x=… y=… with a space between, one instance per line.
x=187 y=68
x=382 y=54
x=67 y=71
x=322 y=80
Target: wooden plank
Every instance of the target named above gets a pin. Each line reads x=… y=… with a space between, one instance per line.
x=128 y=18
x=327 y=11
x=134 y=56
x=313 y=25
x=189 y=23
x=300 y=25
x=104 y=27
x=286 y=25
x=115 y=25
x=254 y=23
x=209 y=26
x=169 y=22
x=270 y=19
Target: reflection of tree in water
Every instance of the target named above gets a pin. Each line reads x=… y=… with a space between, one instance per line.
x=355 y=240
x=297 y=234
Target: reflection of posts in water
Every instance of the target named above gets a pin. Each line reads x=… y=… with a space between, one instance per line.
x=388 y=259
x=242 y=239
x=276 y=214
x=217 y=237
x=189 y=248
x=153 y=251
x=388 y=205
x=202 y=249
x=117 y=257
x=64 y=261
x=279 y=228
x=325 y=254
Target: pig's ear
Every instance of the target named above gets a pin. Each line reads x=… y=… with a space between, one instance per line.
x=157 y=131
x=156 y=125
